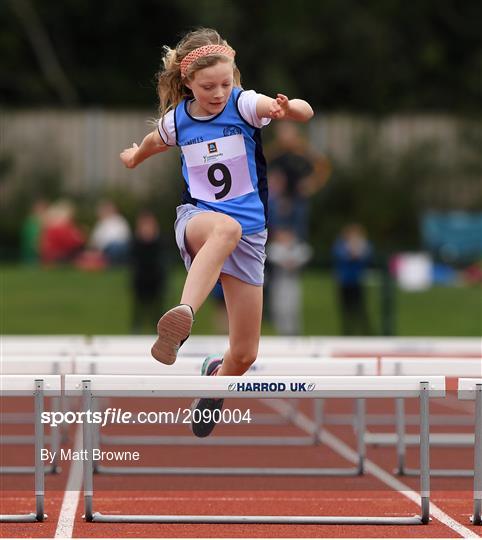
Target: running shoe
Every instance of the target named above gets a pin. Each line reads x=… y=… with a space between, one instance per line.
x=203 y=427
x=174 y=327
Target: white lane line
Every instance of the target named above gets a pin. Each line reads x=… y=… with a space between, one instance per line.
x=453 y=403
x=65 y=524
x=336 y=444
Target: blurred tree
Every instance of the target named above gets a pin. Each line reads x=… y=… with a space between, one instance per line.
x=45 y=53
x=379 y=188
x=375 y=56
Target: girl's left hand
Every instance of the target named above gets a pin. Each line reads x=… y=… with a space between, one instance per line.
x=127 y=156
x=279 y=107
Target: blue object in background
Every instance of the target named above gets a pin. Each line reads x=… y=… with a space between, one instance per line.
x=443 y=274
x=453 y=236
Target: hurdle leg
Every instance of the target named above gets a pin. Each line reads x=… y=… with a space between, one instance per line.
x=424 y=452
x=64 y=428
x=360 y=427
x=55 y=438
x=401 y=441
x=477 y=517
x=360 y=433
x=61 y=433
x=96 y=438
x=39 y=444
x=318 y=409
x=293 y=410
x=88 y=450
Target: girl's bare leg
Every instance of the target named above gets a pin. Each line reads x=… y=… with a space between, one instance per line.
x=210 y=238
x=244 y=303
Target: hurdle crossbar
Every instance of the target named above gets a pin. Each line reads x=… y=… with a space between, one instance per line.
x=301 y=346
x=265 y=365
x=472 y=389
x=94 y=386
x=42 y=345
x=37 y=386
x=204 y=345
x=400 y=346
x=252 y=387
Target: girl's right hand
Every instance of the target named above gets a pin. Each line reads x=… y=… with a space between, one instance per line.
x=127 y=156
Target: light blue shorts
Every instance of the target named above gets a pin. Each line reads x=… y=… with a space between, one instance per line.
x=246 y=262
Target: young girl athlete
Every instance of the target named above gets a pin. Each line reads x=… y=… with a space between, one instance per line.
x=221 y=224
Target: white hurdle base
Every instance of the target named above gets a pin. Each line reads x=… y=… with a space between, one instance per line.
x=20 y=518
x=235 y=471
x=97 y=517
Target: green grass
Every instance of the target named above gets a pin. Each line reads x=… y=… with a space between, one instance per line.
x=440 y=311
x=69 y=301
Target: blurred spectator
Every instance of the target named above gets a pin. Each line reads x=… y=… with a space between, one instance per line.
x=111 y=234
x=295 y=173
x=61 y=239
x=287 y=256
x=351 y=254
x=31 y=232
x=148 y=269
x=473 y=273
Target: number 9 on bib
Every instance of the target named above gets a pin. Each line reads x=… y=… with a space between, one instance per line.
x=218 y=169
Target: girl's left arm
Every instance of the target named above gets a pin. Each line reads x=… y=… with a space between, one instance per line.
x=283 y=108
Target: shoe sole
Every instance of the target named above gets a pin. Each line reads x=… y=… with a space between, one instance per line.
x=173 y=327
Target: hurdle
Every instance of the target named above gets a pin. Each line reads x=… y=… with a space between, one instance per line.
x=448 y=367
x=198 y=345
x=269 y=346
x=263 y=366
x=33 y=365
x=38 y=386
x=400 y=346
x=12 y=345
x=136 y=364
x=98 y=386
x=472 y=389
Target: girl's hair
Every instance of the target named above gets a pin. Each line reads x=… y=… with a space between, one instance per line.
x=170 y=86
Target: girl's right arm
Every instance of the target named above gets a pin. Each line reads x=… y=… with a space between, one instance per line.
x=150 y=145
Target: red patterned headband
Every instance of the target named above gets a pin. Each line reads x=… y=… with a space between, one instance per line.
x=206 y=50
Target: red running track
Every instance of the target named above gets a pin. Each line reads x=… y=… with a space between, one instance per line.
x=378 y=492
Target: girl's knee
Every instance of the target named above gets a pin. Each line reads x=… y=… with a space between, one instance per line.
x=228 y=231
x=244 y=358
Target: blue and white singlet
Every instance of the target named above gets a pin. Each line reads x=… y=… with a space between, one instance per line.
x=223 y=164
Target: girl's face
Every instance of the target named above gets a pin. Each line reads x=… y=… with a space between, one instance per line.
x=211 y=87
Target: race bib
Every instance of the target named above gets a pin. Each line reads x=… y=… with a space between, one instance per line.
x=218 y=169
